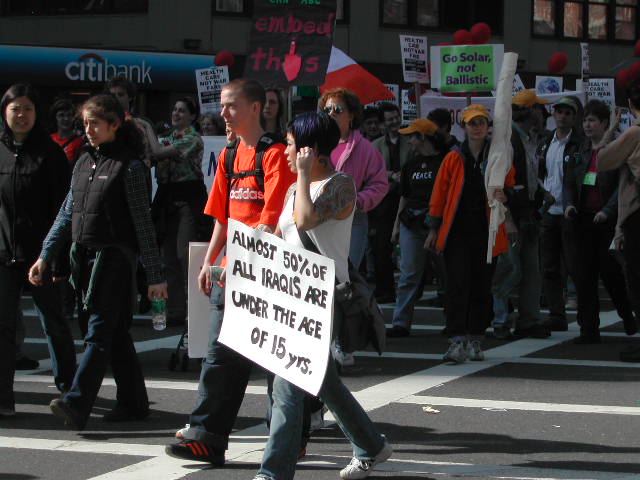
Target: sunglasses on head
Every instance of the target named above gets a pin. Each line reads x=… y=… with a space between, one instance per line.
x=337 y=109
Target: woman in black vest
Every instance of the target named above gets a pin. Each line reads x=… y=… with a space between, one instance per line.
x=106 y=215
x=34 y=176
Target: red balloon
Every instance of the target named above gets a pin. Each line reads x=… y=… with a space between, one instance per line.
x=624 y=77
x=225 y=57
x=636 y=49
x=558 y=62
x=481 y=33
x=462 y=37
x=635 y=70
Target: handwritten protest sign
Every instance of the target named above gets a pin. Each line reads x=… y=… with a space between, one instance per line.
x=414 y=58
x=601 y=89
x=210 y=82
x=466 y=68
x=290 y=41
x=278 y=305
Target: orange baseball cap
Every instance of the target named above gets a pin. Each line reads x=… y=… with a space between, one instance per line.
x=473 y=111
x=421 y=125
x=528 y=98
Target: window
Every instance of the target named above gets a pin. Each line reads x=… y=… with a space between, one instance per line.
x=442 y=14
x=243 y=8
x=606 y=20
x=73 y=7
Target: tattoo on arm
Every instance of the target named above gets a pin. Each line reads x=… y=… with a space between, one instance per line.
x=292 y=188
x=337 y=194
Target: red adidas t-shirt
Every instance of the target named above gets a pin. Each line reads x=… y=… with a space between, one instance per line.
x=247 y=203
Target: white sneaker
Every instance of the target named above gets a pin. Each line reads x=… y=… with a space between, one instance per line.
x=180 y=433
x=362 y=468
x=474 y=350
x=344 y=359
x=457 y=352
x=317 y=419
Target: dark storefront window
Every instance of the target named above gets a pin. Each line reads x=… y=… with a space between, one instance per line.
x=243 y=8
x=605 y=20
x=73 y=7
x=441 y=14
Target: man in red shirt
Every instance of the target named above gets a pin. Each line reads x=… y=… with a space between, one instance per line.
x=225 y=373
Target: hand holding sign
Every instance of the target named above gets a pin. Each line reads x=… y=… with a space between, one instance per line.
x=292 y=63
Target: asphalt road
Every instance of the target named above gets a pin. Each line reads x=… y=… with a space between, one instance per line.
x=534 y=409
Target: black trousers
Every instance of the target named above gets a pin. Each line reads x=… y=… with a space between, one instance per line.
x=468 y=297
x=631 y=251
x=593 y=262
x=381 y=219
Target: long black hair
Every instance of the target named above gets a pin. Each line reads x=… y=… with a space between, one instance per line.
x=37 y=133
x=108 y=108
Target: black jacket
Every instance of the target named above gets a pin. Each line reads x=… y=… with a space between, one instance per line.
x=34 y=179
x=606 y=182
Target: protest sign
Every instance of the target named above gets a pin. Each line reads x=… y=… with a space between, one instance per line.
x=456 y=105
x=278 y=305
x=518 y=85
x=466 y=68
x=601 y=89
x=290 y=42
x=395 y=89
x=408 y=109
x=626 y=119
x=586 y=60
x=546 y=84
x=198 y=306
x=414 y=59
x=210 y=82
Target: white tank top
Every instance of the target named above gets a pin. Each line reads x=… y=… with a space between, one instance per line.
x=332 y=237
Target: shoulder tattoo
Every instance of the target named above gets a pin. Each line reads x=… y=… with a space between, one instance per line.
x=336 y=195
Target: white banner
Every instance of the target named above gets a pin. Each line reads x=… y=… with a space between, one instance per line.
x=210 y=82
x=408 y=110
x=414 y=59
x=602 y=89
x=546 y=84
x=456 y=105
x=278 y=305
x=198 y=306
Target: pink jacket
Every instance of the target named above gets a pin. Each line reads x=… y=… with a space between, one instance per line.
x=366 y=166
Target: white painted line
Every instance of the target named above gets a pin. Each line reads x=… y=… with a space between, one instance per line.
x=573 y=363
x=44 y=341
x=530 y=406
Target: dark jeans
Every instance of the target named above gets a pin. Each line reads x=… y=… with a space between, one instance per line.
x=55 y=326
x=381 y=220
x=558 y=246
x=108 y=341
x=596 y=262
x=468 y=298
x=181 y=228
x=631 y=251
x=223 y=381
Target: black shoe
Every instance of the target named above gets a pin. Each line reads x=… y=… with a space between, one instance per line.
x=72 y=418
x=501 y=333
x=558 y=325
x=435 y=302
x=397 y=331
x=630 y=354
x=534 y=331
x=122 y=414
x=198 y=451
x=630 y=325
x=587 y=339
x=26 y=363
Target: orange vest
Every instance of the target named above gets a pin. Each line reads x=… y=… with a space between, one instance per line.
x=446 y=196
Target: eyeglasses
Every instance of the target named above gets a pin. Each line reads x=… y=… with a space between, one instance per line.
x=337 y=109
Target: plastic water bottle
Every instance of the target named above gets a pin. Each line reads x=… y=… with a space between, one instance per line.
x=159 y=313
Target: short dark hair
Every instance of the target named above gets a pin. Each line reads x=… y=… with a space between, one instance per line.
x=598 y=109
x=441 y=117
x=315 y=128
x=633 y=93
x=251 y=89
x=60 y=105
x=350 y=99
x=16 y=91
x=120 y=81
x=372 y=112
x=388 y=107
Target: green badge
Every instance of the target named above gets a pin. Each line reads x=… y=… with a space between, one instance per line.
x=590 y=179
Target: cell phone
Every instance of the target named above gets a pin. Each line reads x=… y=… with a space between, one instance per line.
x=215 y=272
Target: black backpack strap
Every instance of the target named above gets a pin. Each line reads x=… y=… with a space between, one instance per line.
x=229 y=161
x=69 y=140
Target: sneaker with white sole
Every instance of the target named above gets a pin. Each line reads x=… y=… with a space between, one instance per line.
x=363 y=468
x=474 y=350
x=457 y=352
x=344 y=359
x=317 y=419
x=180 y=433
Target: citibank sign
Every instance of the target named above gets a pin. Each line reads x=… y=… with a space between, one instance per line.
x=92 y=67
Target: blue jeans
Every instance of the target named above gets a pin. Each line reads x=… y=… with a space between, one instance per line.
x=55 y=326
x=223 y=381
x=281 y=453
x=412 y=264
x=108 y=341
x=359 y=238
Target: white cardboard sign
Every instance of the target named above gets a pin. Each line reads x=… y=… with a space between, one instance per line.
x=210 y=82
x=278 y=305
x=409 y=110
x=601 y=89
x=546 y=84
x=414 y=58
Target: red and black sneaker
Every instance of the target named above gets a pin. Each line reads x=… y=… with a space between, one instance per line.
x=198 y=451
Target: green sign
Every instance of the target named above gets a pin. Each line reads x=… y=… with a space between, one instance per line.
x=467 y=68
